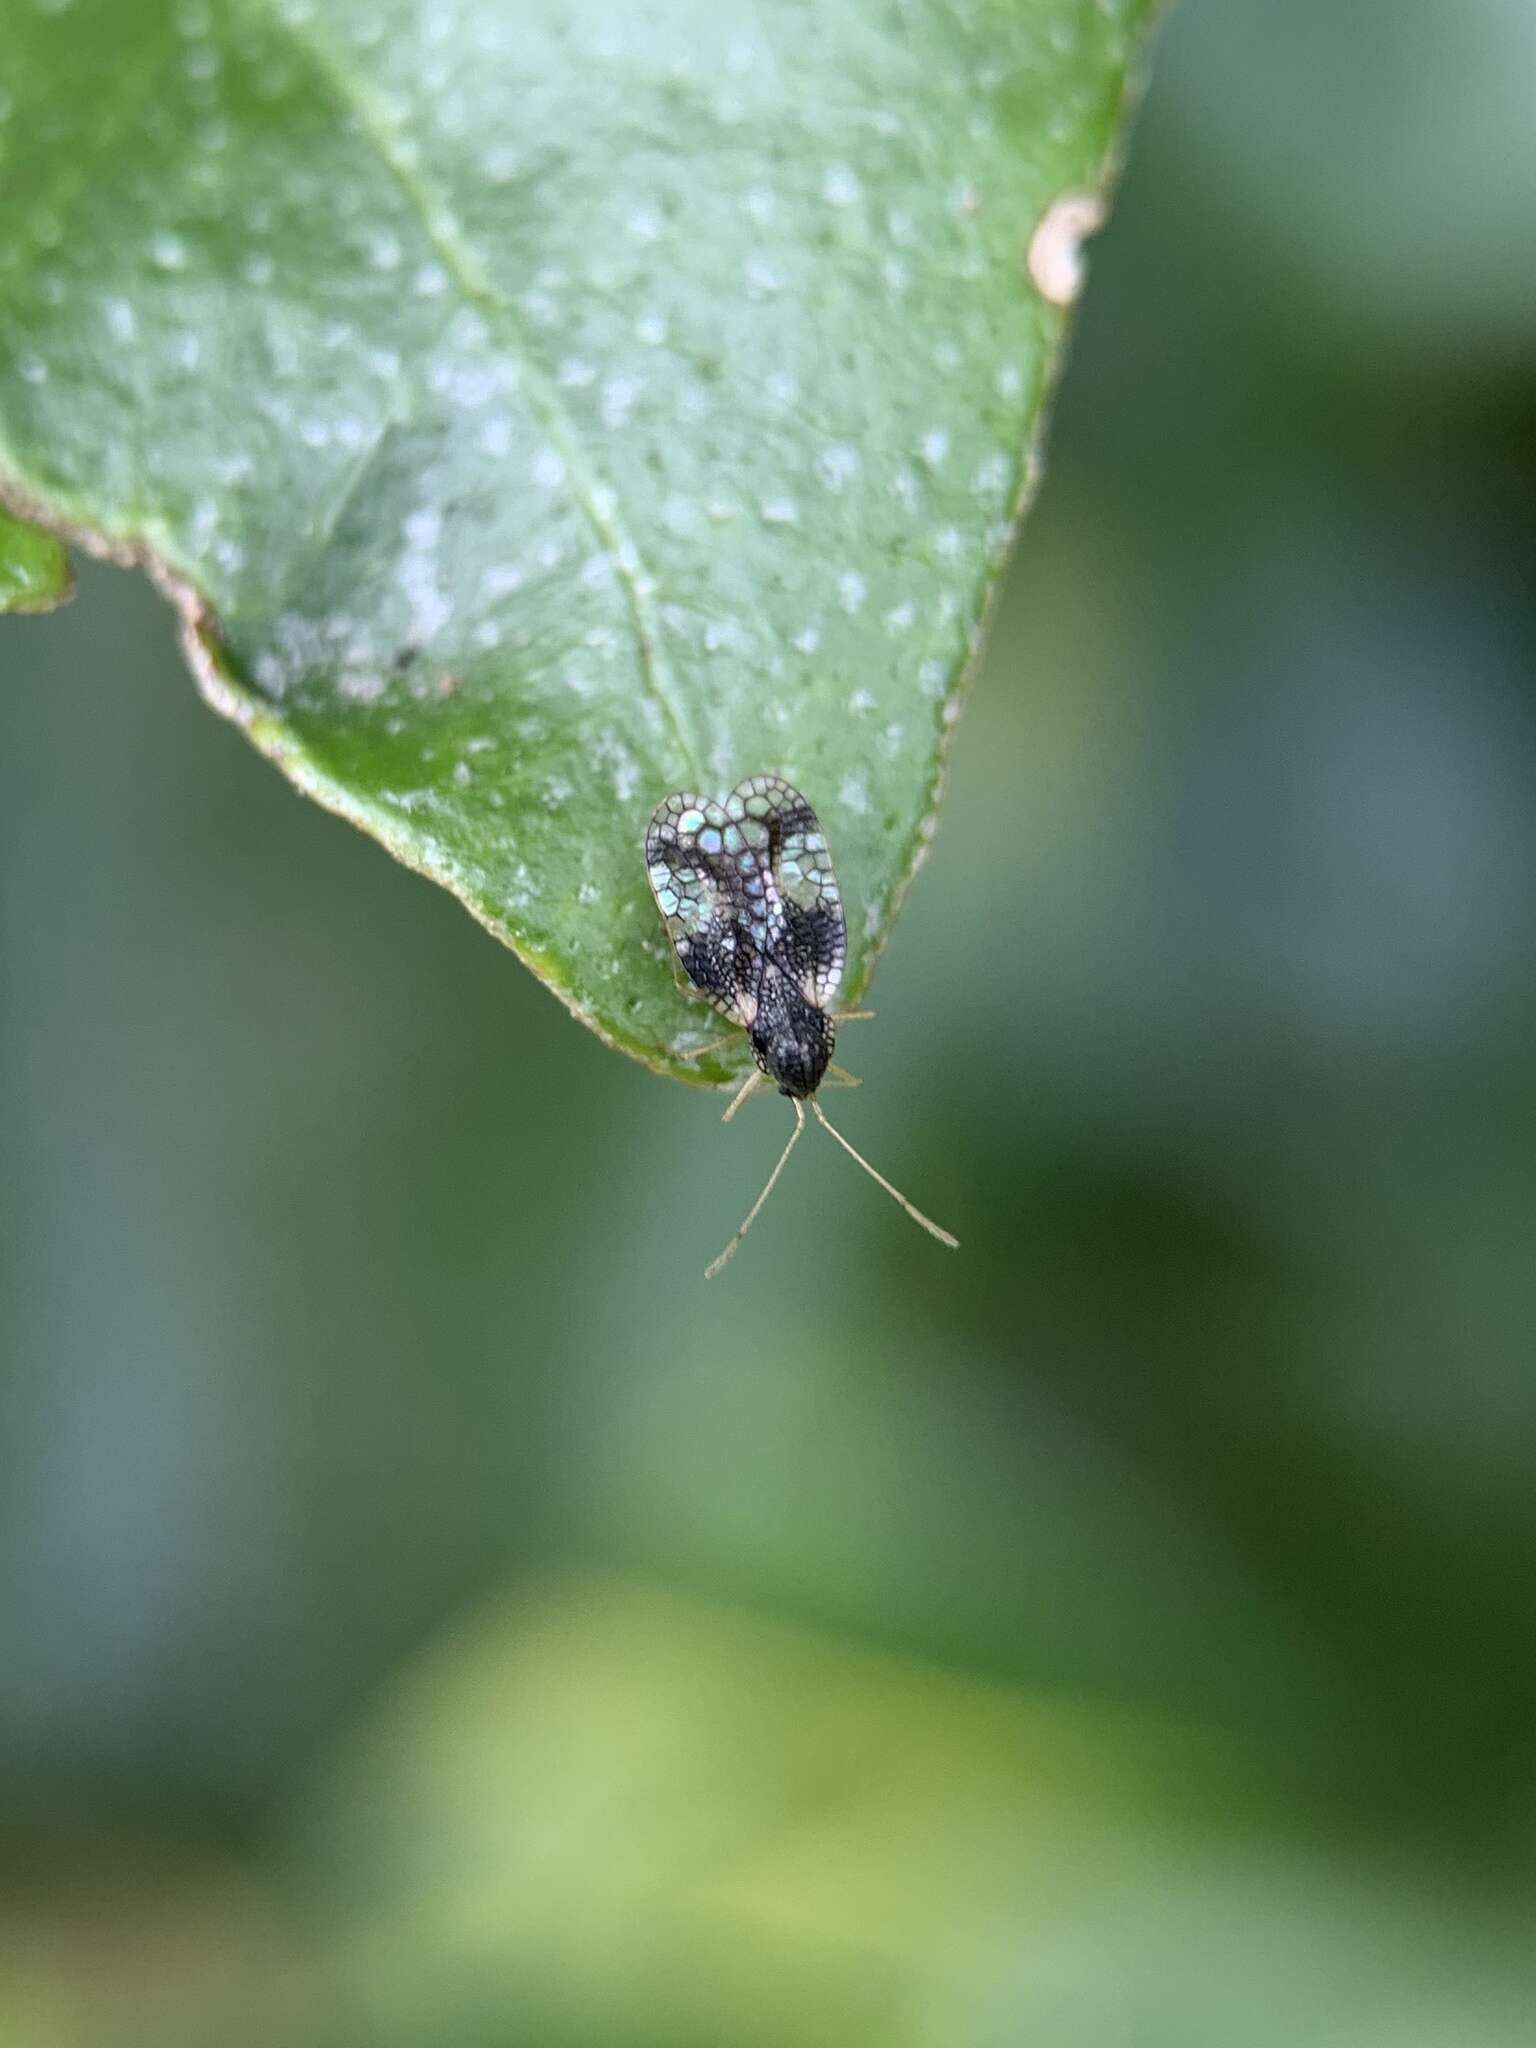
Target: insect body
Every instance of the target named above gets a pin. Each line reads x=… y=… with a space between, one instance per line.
x=755 y=917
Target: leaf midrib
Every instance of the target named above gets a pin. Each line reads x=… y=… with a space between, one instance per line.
x=455 y=251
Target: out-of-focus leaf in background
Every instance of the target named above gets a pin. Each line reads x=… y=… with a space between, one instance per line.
x=631 y=1817
x=397 y=1539
x=543 y=409
x=34 y=569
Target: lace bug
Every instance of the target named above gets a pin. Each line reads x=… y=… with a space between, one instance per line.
x=750 y=900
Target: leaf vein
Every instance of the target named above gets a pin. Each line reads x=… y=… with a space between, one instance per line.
x=456 y=253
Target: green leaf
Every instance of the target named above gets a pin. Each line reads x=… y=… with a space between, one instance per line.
x=34 y=569
x=608 y=1813
x=534 y=410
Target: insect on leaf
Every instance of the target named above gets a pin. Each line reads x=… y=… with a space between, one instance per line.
x=752 y=907
x=537 y=409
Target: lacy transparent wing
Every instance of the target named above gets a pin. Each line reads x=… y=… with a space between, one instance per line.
x=704 y=889
x=809 y=899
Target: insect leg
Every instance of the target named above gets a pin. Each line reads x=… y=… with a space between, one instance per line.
x=839 y=1077
x=711 y=1271
x=852 y=1016
x=742 y=1093
x=713 y=1045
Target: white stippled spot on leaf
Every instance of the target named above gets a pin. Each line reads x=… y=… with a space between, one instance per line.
x=840 y=186
x=838 y=465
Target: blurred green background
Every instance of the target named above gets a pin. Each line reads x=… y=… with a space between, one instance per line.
x=430 y=1614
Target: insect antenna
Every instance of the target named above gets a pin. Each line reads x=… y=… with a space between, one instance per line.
x=711 y=1271
x=912 y=1210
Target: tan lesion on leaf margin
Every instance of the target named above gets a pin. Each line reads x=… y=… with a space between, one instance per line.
x=203 y=650
x=1065 y=224
x=1093 y=204
x=1054 y=258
